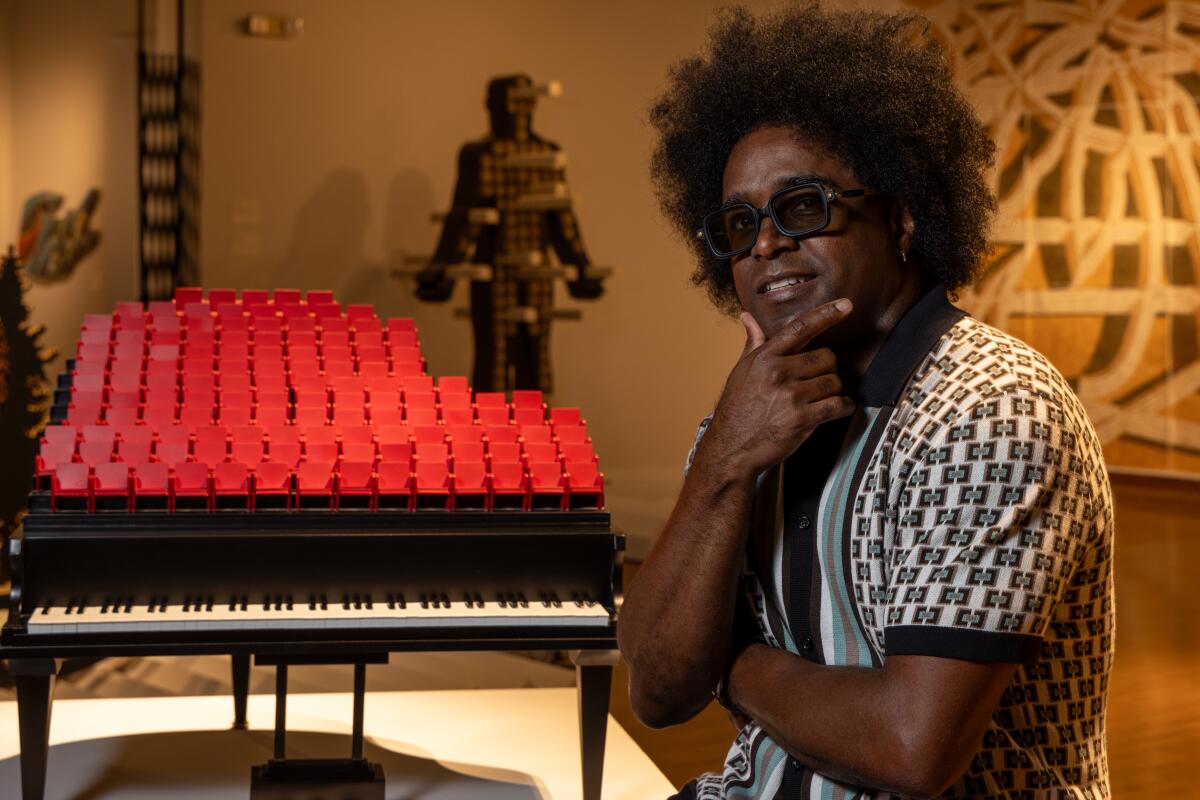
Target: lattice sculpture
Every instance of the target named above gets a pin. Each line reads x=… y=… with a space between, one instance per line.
x=511 y=215
x=1094 y=109
x=24 y=395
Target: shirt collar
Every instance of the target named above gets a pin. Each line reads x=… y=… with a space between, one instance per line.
x=904 y=348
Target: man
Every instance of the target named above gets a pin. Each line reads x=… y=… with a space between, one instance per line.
x=891 y=556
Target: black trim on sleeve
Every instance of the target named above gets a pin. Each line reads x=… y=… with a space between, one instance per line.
x=962 y=643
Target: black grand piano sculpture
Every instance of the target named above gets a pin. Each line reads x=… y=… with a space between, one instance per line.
x=277 y=478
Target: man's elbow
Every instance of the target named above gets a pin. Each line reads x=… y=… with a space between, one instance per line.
x=660 y=709
x=927 y=768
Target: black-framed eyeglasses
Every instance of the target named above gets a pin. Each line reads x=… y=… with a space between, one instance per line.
x=796 y=210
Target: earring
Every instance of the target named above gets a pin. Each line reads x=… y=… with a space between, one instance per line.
x=903 y=256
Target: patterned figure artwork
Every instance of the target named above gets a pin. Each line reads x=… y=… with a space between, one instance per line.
x=1094 y=108
x=511 y=211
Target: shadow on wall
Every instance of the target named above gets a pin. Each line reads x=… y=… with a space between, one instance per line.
x=328 y=241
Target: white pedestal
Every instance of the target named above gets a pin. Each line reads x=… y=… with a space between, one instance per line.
x=489 y=743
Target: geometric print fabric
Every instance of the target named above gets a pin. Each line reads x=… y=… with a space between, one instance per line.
x=968 y=516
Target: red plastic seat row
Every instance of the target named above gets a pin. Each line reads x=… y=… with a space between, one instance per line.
x=192 y=486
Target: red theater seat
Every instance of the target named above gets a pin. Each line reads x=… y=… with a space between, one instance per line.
x=491 y=416
x=356 y=485
x=585 y=486
x=381 y=417
x=110 y=490
x=540 y=452
x=529 y=417
x=49 y=457
x=190 y=487
x=429 y=434
x=432 y=453
x=527 y=398
x=151 y=487
x=577 y=453
x=464 y=433
x=501 y=434
x=70 y=488
x=358 y=451
x=394 y=486
x=134 y=452
x=314 y=486
x=470 y=485
x=272 y=486
x=391 y=434
x=432 y=486
x=322 y=452
x=547 y=485
x=60 y=434
x=458 y=416
x=399 y=452
x=510 y=487
x=122 y=417
x=231 y=487
x=575 y=434
x=539 y=434
x=420 y=416
x=504 y=452
x=467 y=451
x=96 y=453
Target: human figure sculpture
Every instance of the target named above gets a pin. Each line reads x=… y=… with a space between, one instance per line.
x=510 y=210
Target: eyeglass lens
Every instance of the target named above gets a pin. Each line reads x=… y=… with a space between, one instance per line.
x=797 y=211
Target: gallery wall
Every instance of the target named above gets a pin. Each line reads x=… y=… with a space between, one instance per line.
x=68 y=124
x=324 y=156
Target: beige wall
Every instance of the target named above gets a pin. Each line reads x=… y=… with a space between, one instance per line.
x=323 y=157
x=68 y=123
x=8 y=222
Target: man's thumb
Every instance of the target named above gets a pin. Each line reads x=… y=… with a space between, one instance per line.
x=754 y=335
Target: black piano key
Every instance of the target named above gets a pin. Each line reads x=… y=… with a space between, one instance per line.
x=391 y=600
x=312 y=602
x=400 y=600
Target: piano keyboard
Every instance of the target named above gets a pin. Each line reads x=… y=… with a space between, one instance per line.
x=316 y=612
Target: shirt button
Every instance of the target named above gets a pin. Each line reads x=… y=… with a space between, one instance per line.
x=796 y=765
x=806 y=643
x=803 y=521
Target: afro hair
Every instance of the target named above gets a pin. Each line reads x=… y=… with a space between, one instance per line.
x=872 y=88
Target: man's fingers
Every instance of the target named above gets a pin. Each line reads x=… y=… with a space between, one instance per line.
x=754 y=334
x=802 y=330
x=832 y=408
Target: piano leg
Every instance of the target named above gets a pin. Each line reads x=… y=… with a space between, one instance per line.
x=35 y=685
x=593 y=669
x=241 y=689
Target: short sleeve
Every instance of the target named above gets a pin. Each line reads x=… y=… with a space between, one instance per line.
x=989 y=530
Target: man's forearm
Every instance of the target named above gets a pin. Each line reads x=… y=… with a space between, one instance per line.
x=910 y=727
x=677 y=617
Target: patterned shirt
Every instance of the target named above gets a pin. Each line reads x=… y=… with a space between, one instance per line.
x=962 y=512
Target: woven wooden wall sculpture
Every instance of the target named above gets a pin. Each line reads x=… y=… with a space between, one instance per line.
x=1094 y=109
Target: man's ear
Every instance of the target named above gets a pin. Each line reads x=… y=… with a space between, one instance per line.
x=902 y=227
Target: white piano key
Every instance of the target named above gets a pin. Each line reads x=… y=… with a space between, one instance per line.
x=174 y=619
